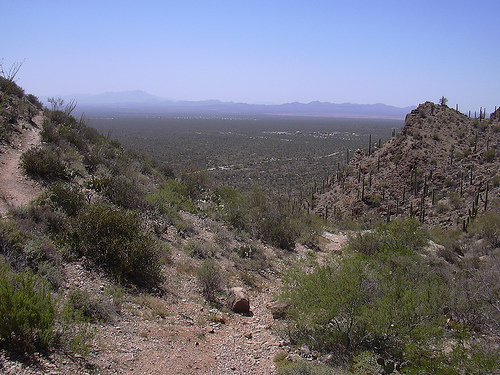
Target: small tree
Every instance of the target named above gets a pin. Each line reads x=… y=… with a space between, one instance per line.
x=443 y=101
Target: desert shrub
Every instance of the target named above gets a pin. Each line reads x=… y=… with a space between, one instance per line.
x=49 y=132
x=251 y=257
x=166 y=171
x=455 y=200
x=383 y=304
x=248 y=251
x=124 y=192
x=367 y=243
x=374 y=200
x=200 y=249
x=254 y=213
x=232 y=207
x=277 y=229
x=50 y=272
x=44 y=163
x=442 y=207
x=12 y=243
x=115 y=239
x=22 y=250
x=496 y=181
x=489 y=155
x=210 y=279
x=385 y=299
x=308 y=229
x=303 y=367
x=222 y=238
x=365 y=363
x=74 y=332
x=476 y=299
x=402 y=235
x=44 y=217
x=172 y=194
x=60 y=117
x=26 y=309
x=249 y=279
x=69 y=198
x=35 y=101
x=196 y=183
x=487 y=227
x=10 y=87
x=450 y=239
x=80 y=302
x=398 y=235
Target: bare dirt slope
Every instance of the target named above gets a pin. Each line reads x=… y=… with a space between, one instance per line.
x=15 y=188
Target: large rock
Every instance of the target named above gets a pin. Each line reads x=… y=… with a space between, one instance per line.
x=238 y=300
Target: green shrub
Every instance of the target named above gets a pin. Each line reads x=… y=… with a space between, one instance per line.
x=222 y=238
x=200 y=249
x=278 y=231
x=487 y=227
x=11 y=241
x=26 y=310
x=232 y=207
x=489 y=155
x=124 y=192
x=385 y=300
x=403 y=235
x=45 y=218
x=115 y=239
x=367 y=243
x=35 y=101
x=172 y=194
x=44 y=163
x=373 y=200
x=455 y=200
x=496 y=181
x=248 y=251
x=398 y=235
x=196 y=183
x=442 y=207
x=10 y=87
x=67 y=197
x=74 y=330
x=210 y=279
x=95 y=309
x=251 y=257
x=303 y=367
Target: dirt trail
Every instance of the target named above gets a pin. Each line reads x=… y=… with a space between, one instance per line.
x=15 y=188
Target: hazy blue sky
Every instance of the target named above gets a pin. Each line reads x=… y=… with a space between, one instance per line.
x=376 y=51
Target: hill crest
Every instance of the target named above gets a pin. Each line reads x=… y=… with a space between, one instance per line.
x=441 y=168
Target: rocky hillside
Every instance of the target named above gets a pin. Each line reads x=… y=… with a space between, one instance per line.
x=442 y=168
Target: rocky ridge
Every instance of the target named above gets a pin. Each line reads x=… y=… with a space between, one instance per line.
x=442 y=168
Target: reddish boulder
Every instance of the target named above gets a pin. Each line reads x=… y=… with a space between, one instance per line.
x=238 y=300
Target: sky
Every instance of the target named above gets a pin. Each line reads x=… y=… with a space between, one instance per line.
x=399 y=53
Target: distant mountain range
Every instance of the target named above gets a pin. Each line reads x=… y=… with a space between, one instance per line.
x=139 y=100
